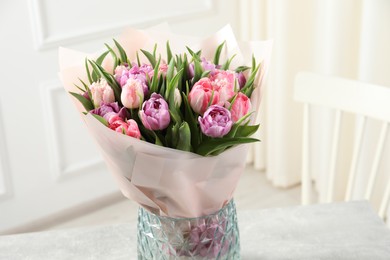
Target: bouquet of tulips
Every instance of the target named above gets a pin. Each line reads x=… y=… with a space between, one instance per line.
x=186 y=103
x=171 y=119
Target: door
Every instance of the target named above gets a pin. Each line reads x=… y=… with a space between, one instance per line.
x=48 y=163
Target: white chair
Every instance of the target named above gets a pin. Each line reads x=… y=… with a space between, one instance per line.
x=344 y=96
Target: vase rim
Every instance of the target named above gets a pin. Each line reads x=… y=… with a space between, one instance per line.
x=229 y=204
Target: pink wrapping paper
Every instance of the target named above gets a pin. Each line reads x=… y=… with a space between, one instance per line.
x=166 y=181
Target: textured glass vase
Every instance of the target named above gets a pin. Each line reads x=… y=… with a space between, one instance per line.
x=214 y=236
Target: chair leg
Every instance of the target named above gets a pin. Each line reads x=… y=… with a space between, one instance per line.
x=306 y=178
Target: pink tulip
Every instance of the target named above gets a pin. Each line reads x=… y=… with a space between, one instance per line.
x=101 y=93
x=131 y=129
x=155 y=113
x=241 y=106
x=128 y=127
x=200 y=95
x=162 y=70
x=223 y=82
x=132 y=94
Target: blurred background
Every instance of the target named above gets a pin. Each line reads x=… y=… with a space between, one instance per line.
x=50 y=170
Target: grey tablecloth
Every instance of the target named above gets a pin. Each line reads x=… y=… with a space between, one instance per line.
x=328 y=231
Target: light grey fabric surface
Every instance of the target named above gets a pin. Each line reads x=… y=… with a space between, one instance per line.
x=328 y=231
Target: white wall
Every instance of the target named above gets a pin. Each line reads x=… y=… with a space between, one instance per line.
x=48 y=163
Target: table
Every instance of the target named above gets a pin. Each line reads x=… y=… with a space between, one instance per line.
x=349 y=230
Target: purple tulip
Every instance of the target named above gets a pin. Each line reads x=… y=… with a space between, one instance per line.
x=241 y=79
x=206 y=65
x=140 y=72
x=123 y=74
x=109 y=110
x=86 y=95
x=216 y=121
x=155 y=113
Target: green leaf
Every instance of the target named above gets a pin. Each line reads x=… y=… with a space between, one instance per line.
x=157 y=139
x=154 y=83
x=100 y=59
x=163 y=86
x=187 y=88
x=150 y=57
x=171 y=70
x=138 y=61
x=184 y=142
x=205 y=74
x=211 y=98
x=198 y=71
x=146 y=133
x=154 y=50
x=253 y=62
x=122 y=52
x=174 y=115
x=85 y=85
x=175 y=135
x=101 y=119
x=169 y=52
x=242 y=69
x=88 y=71
x=248 y=87
x=227 y=63
x=246 y=130
x=87 y=89
x=232 y=101
x=113 y=54
x=184 y=67
x=173 y=109
x=244 y=118
x=87 y=104
x=215 y=144
x=172 y=84
x=194 y=55
x=82 y=90
x=179 y=61
x=218 y=53
x=238 y=124
x=192 y=121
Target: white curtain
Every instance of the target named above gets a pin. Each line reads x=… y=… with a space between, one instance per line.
x=349 y=38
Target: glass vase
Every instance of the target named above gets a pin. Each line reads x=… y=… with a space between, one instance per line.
x=215 y=236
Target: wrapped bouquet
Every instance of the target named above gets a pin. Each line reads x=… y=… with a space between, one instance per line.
x=171 y=115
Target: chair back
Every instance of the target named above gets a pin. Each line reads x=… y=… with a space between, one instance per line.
x=344 y=96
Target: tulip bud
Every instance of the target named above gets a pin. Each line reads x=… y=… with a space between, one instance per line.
x=241 y=106
x=177 y=97
x=132 y=93
x=101 y=93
